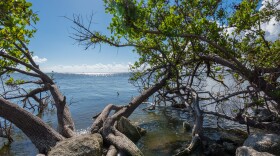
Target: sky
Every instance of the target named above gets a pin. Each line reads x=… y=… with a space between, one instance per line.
x=54 y=50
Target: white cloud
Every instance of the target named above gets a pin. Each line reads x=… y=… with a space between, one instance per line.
x=84 y=68
x=37 y=59
x=271 y=27
x=273 y=2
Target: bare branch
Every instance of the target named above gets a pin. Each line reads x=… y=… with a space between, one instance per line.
x=22 y=71
x=26 y=52
x=5 y=55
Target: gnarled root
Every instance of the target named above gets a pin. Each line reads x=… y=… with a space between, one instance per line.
x=122 y=143
x=112 y=151
x=106 y=126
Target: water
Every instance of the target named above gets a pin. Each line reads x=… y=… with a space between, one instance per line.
x=165 y=131
x=88 y=94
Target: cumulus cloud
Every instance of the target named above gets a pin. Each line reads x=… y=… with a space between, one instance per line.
x=37 y=59
x=84 y=68
x=271 y=27
x=272 y=2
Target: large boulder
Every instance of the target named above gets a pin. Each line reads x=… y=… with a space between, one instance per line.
x=133 y=132
x=248 y=151
x=264 y=143
x=83 y=145
x=236 y=136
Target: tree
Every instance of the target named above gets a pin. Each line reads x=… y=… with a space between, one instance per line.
x=197 y=41
x=181 y=45
x=16 y=19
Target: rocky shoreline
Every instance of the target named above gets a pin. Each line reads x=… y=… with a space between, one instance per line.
x=215 y=142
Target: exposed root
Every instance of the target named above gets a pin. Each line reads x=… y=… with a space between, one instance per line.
x=98 y=123
x=122 y=143
x=112 y=151
x=105 y=124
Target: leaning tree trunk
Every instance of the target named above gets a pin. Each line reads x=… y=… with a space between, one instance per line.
x=66 y=125
x=41 y=135
x=105 y=124
x=65 y=122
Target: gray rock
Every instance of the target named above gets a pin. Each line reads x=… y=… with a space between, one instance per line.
x=229 y=147
x=264 y=143
x=83 y=145
x=264 y=115
x=187 y=126
x=228 y=136
x=216 y=149
x=248 y=151
x=133 y=132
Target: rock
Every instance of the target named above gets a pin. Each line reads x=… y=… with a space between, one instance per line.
x=232 y=137
x=187 y=126
x=248 y=151
x=216 y=149
x=83 y=145
x=229 y=147
x=142 y=131
x=133 y=132
x=178 y=105
x=264 y=115
x=264 y=143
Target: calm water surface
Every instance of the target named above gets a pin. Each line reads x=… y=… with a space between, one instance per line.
x=88 y=94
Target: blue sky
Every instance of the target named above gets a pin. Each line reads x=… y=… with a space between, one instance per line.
x=55 y=51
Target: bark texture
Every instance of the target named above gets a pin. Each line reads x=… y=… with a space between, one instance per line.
x=41 y=135
x=66 y=125
x=105 y=124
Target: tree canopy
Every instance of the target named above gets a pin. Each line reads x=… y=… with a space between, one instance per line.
x=182 y=46
x=16 y=19
x=16 y=30
x=194 y=41
x=182 y=34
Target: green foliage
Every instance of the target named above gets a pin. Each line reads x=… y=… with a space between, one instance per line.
x=12 y=82
x=16 y=19
x=133 y=20
x=178 y=35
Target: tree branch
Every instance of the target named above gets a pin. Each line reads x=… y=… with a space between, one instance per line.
x=27 y=54
x=5 y=55
x=22 y=71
